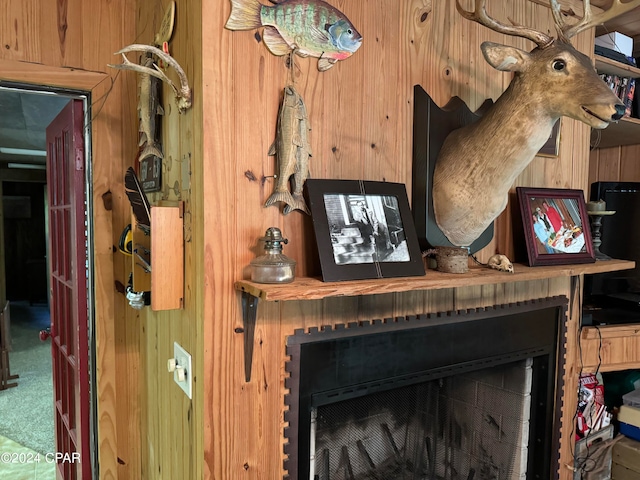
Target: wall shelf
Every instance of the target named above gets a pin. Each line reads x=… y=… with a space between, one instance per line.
x=606 y=65
x=311 y=288
x=627 y=130
x=610 y=348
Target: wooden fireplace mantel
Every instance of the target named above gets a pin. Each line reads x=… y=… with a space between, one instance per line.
x=312 y=288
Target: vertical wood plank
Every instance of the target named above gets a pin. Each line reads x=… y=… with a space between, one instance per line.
x=629 y=164
x=594 y=161
x=609 y=164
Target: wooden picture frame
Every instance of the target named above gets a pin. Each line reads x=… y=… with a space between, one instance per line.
x=363 y=229
x=556 y=226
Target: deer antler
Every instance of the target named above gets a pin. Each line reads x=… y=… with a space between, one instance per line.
x=183 y=95
x=481 y=16
x=589 y=20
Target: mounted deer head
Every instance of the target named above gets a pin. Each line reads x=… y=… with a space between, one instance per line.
x=478 y=163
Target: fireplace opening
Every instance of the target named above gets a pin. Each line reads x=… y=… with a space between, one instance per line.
x=467 y=395
x=470 y=426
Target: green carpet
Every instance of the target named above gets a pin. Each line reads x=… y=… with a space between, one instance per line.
x=21 y=463
x=26 y=411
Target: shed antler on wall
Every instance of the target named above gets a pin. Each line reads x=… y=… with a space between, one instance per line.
x=183 y=94
x=478 y=163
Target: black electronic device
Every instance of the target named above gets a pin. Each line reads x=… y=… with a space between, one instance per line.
x=614 y=298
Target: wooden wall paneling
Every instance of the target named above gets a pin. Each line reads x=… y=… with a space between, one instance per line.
x=255 y=431
x=609 y=164
x=340 y=97
x=630 y=163
x=262 y=398
x=502 y=291
x=580 y=156
x=15 y=36
x=348 y=106
x=439 y=300
x=117 y=350
x=408 y=303
x=173 y=438
x=55 y=76
x=254 y=133
x=371 y=307
x=594 y=159
x=148 y=372
x=126 y=329
x=380 y=139
x=467 y=297
x=192 y=151
x=223 y=355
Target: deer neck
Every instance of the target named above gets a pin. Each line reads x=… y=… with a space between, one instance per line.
x=479 y=163
x=522 y=122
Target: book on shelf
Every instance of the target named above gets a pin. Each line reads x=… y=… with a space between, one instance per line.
x=624 y=89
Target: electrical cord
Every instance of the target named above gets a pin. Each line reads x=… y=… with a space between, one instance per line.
x=585 y=464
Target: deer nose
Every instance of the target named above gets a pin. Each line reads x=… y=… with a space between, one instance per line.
x=620 y=109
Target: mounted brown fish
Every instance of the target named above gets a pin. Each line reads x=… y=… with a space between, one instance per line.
x=149 y=112
x=309 y=27
x=293 y=151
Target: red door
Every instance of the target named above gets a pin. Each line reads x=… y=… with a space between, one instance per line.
x=69 y=318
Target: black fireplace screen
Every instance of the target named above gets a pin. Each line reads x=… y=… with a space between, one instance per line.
x=469 y=426
x=457 y=395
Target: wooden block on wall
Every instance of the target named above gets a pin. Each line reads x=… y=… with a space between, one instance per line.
x=167 y=258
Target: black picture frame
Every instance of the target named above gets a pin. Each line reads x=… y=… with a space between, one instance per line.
x=363 y=229
x=431 y=126
x=551 y=147
x=560 y=216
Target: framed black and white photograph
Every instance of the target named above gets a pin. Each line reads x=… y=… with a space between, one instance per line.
x=363 y=229
x=556 y=226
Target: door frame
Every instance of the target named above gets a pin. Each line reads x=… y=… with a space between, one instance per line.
x=93 y=88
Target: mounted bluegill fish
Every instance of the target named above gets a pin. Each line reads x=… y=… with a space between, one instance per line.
x=293 y=150
x=310 y=27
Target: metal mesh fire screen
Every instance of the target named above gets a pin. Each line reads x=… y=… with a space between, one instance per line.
x=470 y=426
x=459 y=395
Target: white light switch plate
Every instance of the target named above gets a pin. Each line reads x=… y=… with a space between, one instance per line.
x=183 y=359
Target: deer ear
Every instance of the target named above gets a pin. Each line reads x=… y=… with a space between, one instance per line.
x=504 y=58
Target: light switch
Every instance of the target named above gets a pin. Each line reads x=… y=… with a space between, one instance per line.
x=180 y=366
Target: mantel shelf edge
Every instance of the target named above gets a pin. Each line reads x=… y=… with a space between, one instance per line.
x=311 y=288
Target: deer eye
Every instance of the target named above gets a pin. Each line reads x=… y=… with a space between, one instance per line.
x=559 y=65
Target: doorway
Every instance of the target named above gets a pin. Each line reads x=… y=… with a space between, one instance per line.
x=26 y=258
